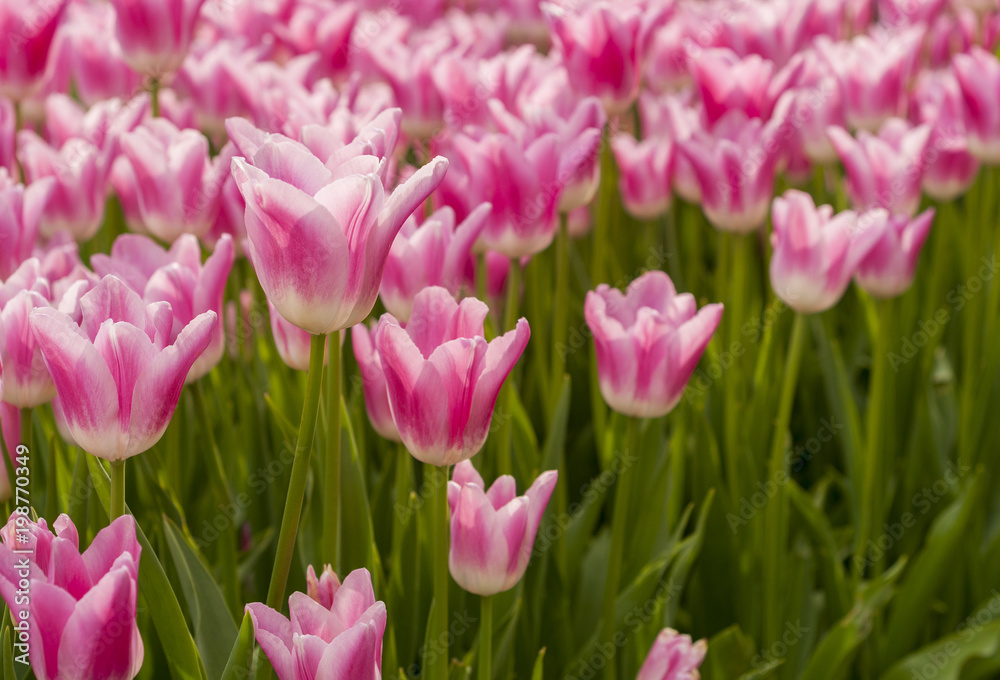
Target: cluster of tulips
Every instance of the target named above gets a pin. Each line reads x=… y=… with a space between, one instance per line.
x=199 y=198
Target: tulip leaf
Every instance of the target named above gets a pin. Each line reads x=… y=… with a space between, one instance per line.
x=954 y=657
x=240 y=664
x=155 y=589
x=214 y=629
x=8 y=655
x=536 y=673
x=820 y=534
x=729 y=653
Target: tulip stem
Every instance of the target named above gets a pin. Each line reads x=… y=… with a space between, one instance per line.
x=560 y=315
x=436 y=649
x=154 y=97
x=485 y=637
x=509 y=322
x=482 y=276
x=18 y=121
x=619 y=523
x=776 y=510
x=26 y=427
x=608 y=193
x=331 y=487
x=300 y=471
x=117 y=489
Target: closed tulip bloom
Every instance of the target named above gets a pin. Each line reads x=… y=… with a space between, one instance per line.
x=493 y=531
x=324 y=588
x=443 y=377
x=28 y=28
x=950 y=169
x=887 y=270
x=644 y=174
x=648 y=342
x=978 y=74
x=291 y=341
x=81 y=612
x=319 y=238
x=337 y=634
x=118 y=376
x=673 y=657
x=815 y=252
x=726 y=82
x=885 y=170
x=20 y=212
x=373 y=380
x=433 y=253
x=734 y=168
x=166 y=180
x=97 y=65
x=26 y=378
x=155 y=34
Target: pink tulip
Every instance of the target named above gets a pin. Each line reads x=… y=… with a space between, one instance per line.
x=323 y=589
x=674 y=117
x=102 y=124
x=978 y=74
x=815 y=252
x=323 y=29
x=673 y=657
x=178 y=277
x=373 y=380
x=319 y=235
x=644 y=174
x=443 y=377
x=28 y=28
x=96 y=63
x=873 y=74
x=885 y=170
x=648 y=342
x=166 y=181
x=215 y=79
x=493 y=532
x=735 y=169
x=26 y=378
x=950 y=170
x=292 y=342
x=435 y=253
x=10 y=430
x=81 y=611
x=20 y=212
x=79 y=171
x=726 y=82
x=337 y=634
x=887 y=270
x=118 y=377
x=155 y=34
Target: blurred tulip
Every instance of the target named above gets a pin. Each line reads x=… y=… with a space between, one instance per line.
x=81 y=613
x=815 y=252
x=493 y=532
x=949 y=167
x=96 y=63
x=887 y=270
x=339 y=638
x=28 y=28
x=20 y=212
x=118 y=376
x=978 y=74
x=319 y=235
x=27 y=382
x=373 y=380
x=644 y=174
x=726 y=82
x=648 y=342
x=673 y=657
x=155 y=34
x=443 y=377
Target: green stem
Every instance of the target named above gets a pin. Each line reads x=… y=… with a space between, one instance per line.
x=776 y=513
x=300 y=471
x=437 y=664
x=26 y=433
x=619 y=523
x=18 y=122
x=608 y=194
x=80 y=492
x=482 y=276
x=560 y=314
x=331 y=486
x=117 y=489
x=154 y=97
x=486 y=638
x=510 y=307
x=509 y=321
x=216 y=471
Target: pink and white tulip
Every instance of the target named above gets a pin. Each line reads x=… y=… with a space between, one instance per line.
x=155 y=34
x=21 y=211
x=673 y=657
x=644 y=174
x=493 y=531
x=648 y=342
x=28 y=28
x=887 y=270
x=443 y=377
x=978 y=74
x=373 y=381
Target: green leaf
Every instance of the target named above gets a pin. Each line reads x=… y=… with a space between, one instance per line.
x=536 y=673
x=214 y=629
x=948 y=657
x=154 y=588
x=821 y=536
x=730 y=652
x=8 y=656
x=240 y=664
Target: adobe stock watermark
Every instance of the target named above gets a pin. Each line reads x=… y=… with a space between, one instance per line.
x=936 y=661
x=796 y=459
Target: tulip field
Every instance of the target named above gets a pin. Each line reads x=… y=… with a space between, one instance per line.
x=500 y=339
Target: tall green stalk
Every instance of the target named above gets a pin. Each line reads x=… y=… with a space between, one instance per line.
x=509 y=321
x=560 y=313
x=154 y=97
x=300 y=471
x=436 y=655
x=485 y=638
x=331 y=486
x=616 y=556
x=117 y=489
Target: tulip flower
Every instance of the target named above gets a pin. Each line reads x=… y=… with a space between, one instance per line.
x=435 y=253
x=734 y=168
x=178 y=277
x=20 y=212
x=117 y=375
x=950 y=169
x=726 y=82
x=319 y=237
x=97 y=65
x=215 y=80
x=81 y=611
x=155 y=34
x=26 y=378
x=978 y=74
x=492 y=531
x=373 y=380
x=336 y=634
x=644 y=174
x=815 y=252
x=673 y=657
x=443 y=377
x=887 y=270
x=166 y=181
x=648 y=342
x=28 y=28
x=885 y=170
